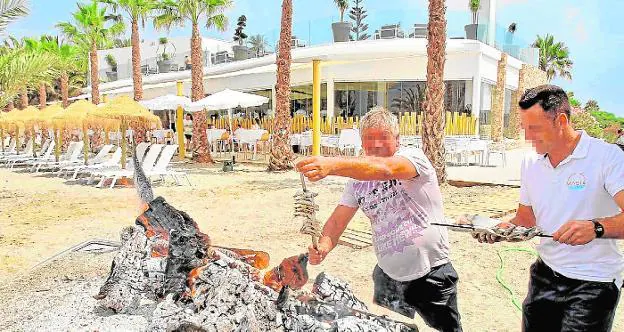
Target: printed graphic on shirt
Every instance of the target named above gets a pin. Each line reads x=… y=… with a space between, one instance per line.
x=577 y=181
x=396 y=220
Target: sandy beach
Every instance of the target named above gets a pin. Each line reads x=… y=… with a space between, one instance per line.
x=41 y=215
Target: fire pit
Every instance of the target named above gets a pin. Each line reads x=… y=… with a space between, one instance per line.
x=201 y=287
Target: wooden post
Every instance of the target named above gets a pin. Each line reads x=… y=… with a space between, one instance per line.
x=180 y=124
x=124 y=145
x=59 y=140
x=316 y=107
x=85 y=140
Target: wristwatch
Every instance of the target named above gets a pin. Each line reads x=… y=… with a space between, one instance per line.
x=598 y=228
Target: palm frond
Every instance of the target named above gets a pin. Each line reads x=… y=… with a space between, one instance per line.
x=10 y=10
x=220 y=22
x=21 y=68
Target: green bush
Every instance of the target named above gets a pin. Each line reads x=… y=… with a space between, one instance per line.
x=585 y=121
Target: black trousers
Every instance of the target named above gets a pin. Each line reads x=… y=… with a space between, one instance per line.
x=558 y=303
x=433 y=297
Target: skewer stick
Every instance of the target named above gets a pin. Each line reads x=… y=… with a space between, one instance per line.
x=473 y=228
x=303 y=185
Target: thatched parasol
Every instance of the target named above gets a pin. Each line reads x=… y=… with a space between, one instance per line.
x=18 y=120
x=130 y=114
x=74 y=117
x=44 y=121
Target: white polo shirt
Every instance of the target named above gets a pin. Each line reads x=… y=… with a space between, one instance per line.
x=581 y=187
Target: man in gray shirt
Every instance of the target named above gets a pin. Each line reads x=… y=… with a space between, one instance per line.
x=397 y=189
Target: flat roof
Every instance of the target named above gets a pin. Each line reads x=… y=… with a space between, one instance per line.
x=348 y=51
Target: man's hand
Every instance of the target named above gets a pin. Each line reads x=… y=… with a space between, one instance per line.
x=489 y=236
x=317 y=255
x=575 y=232
x=315 y=168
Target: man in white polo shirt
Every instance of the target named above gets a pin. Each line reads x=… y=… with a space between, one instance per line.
x=397 y=189
x=573 y=188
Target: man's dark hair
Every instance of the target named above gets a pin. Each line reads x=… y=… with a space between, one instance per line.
x=551 y=98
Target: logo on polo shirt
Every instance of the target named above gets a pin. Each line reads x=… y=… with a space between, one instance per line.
x=577 y=181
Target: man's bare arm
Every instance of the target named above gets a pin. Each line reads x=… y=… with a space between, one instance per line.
x=337 y=223
x=524 y=217
x=360 y=168
x=333 y=229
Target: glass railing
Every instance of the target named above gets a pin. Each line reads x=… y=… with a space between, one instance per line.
x=385 y=24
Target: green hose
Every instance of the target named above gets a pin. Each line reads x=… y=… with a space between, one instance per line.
x=501 y=269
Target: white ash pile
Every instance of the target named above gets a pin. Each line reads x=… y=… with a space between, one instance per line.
x=199 y=287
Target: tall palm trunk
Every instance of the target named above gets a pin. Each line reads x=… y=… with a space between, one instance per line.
x=24 y=97
x=281 y=153
x=65 y=89
x=197 y=69
x=95 y=77
x=433 y=124
x=201 y=151
x=137 y=79
x=43 y=95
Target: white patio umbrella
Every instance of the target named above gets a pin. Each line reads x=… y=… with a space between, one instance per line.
x=166 y=102
x=227 y=99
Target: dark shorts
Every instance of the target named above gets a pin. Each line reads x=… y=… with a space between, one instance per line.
x=188 y=136
x=433 y=297
x=558 y=303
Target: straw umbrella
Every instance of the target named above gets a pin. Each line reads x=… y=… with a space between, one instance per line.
x=44 y=121
x=9 y=125
x=130 y=114
x=74 y=117
x=23 y=121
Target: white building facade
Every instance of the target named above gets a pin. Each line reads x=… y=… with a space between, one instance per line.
x=357 y=76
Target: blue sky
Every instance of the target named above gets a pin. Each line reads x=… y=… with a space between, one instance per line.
x=590 y=28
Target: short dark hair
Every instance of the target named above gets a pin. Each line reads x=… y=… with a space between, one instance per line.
x=550 y=97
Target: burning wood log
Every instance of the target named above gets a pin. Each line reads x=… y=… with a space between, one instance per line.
x=200 y=287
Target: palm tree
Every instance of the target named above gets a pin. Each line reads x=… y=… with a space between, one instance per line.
x=40 y=46
x=66 y=61
x=137 y=11
x=90 y=30
x=122 y=42
x=258 y=44
x=433 y=123
x=342 y=5
x=592 y=105
x=177 y=12
x=554 y=58
x=11 y=10
x=12 y=43
x=281 y=152
x=20 y=68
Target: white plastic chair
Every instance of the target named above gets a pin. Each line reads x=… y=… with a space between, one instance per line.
x=37 y=164
x=73 y=158
x=305 y=142
x=350 y=140
x=111 y=164
x=161 y=168
x=147 y=165
x=99 y=158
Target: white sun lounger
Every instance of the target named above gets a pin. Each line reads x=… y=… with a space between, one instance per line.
x=147 y=165
x=99 y=158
